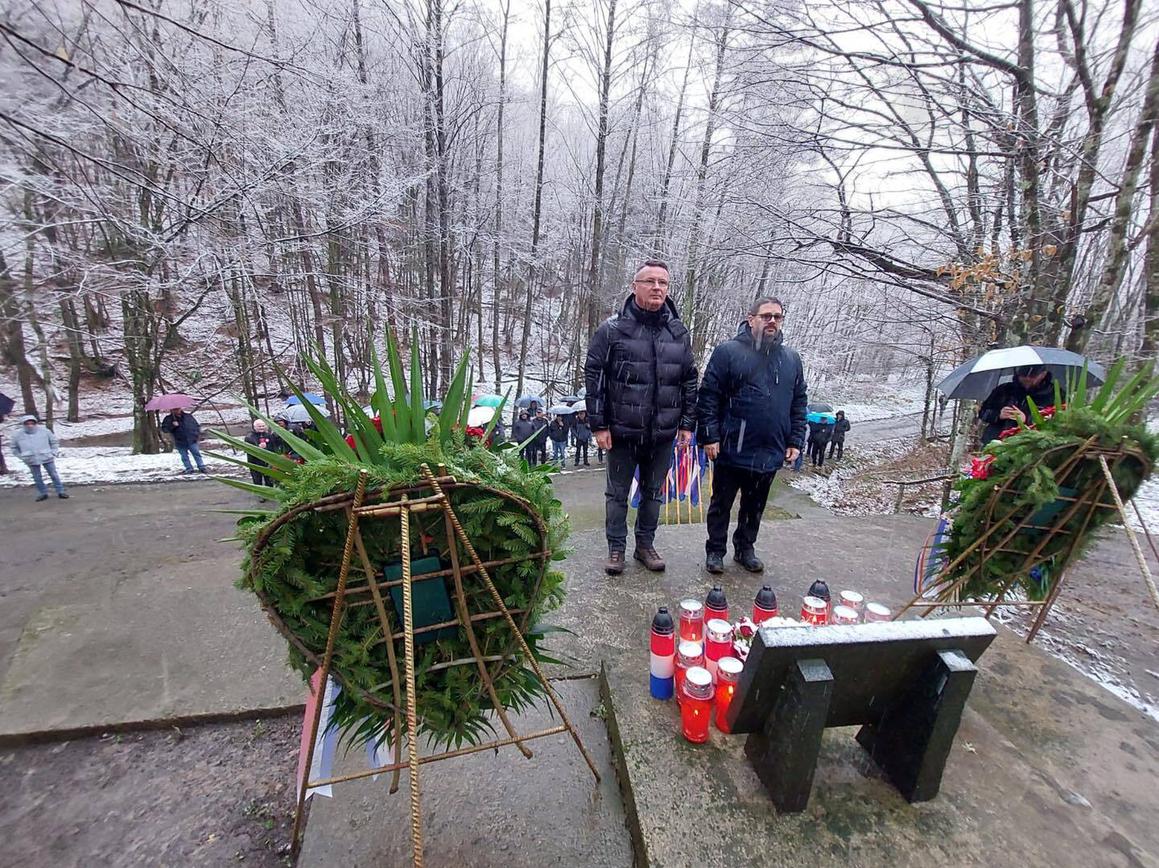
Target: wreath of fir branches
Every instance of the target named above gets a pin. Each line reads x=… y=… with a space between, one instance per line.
x=292 y=562
x=1022 y=477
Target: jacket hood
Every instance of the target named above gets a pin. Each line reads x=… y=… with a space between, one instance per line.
x=626 y=307
x=28 y=418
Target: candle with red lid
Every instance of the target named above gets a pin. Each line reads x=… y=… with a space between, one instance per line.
x=765 y=605
x=663 y=647
x=719 y=644
x=688 y=654
x=696 y=708
x=728 y=671
x=691 y=621
x=715 y=605
x=814 y=611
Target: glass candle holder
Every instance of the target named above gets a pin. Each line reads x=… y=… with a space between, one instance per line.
x=718 y=644
x=853 y=599
x=814 y=611
x=728 y=671
x=844 y=615
x=715 y=604
x=875 y=612
x=696 y=709
x=688 y=654
x=663 y=655
x=765 y=605
x=691 y=621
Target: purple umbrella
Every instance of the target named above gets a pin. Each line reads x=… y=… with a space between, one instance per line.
x=170 y=402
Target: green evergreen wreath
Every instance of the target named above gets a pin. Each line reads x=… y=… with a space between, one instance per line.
x=1025 y=482
x=506 y=508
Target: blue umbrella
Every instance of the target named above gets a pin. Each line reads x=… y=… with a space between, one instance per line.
x=432 y=405
x=315 y=399
x=528 y=400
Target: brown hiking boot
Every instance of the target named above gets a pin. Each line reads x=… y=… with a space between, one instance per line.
x=615 y=564
x=650 y=558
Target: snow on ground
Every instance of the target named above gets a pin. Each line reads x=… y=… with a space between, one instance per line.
x=86 y=465
x=870 y=400
x=1084 y=647
x=98 y=425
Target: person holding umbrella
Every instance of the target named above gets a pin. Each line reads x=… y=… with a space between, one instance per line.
x=185 y=431
x=1008 y=406
x=581 y=432
x=558 y=433
x=38 y=447
x=521 y=432
x=261 y=437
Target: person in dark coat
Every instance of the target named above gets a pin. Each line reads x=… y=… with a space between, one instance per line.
x=520 y=432
x=641 y=394
x=558 y=433
x=751 y=412
x=819 y=433
x=1008 y=406
x=539 y=422
x=185 y=431
x=261 y=437
x=840 y=429
x=581 y=433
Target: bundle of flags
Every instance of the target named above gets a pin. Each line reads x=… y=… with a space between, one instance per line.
x=326 y=739
x=685 y=477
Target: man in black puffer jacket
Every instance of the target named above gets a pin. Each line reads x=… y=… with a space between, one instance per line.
x=752 y=420
x=641 y=391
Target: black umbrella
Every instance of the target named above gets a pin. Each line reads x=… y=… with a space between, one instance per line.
x=6 y=405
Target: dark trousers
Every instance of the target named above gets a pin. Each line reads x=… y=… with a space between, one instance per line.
x=839 y=445
x=260 y=478
x=581 y=447
x=817 y=452
x=754 y=495
x=531 y=453
x=623 y=459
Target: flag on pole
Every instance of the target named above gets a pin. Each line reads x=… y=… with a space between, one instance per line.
x=325 y=739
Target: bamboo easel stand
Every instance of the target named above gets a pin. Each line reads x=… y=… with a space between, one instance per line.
x=948 y=596
x=455 y=535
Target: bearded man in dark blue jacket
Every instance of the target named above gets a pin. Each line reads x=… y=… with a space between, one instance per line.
x=751 y=412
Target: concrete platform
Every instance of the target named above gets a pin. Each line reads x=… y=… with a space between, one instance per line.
x=1048 y=768
x=118 y=606
x=487 y=808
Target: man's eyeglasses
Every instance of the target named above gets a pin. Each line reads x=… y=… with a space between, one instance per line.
x=769 y=317
x=652 y=282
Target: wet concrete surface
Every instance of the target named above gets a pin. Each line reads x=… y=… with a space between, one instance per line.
x=1048 y=768
x=118 y=605
x=487 y=808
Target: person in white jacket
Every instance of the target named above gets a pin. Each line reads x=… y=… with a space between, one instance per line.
x=38 y=447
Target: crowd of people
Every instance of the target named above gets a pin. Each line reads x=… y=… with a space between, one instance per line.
x=533 y=432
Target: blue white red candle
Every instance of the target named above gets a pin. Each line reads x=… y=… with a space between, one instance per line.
x=663 y=656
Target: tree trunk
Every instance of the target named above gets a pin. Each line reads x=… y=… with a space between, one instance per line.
x=536 y=210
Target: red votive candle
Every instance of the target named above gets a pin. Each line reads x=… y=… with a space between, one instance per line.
x=765 y=605
x=844 y=615
x=718 y=644
x=715 y=604
x=691 y=621
x=688 y=654
x=853 y=600
x=728 y=671
x=696 y=709
x=875 y=612
x=814 y=611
